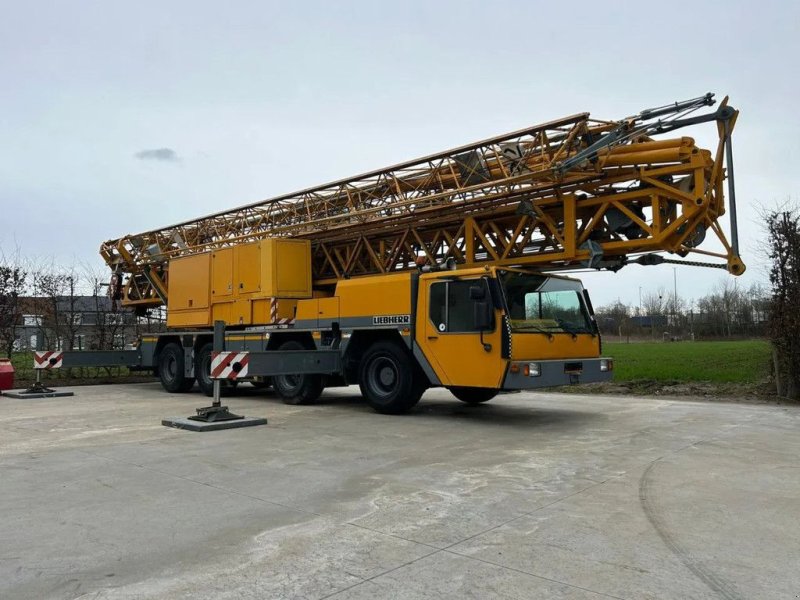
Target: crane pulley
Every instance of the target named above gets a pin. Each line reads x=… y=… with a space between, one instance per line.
x=570 y=193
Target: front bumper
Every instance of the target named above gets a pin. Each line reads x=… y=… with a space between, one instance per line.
x=556 y=372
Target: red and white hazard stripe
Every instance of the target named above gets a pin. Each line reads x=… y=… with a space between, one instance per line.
x=48 y=359
x=229 y=365
x=273 y=314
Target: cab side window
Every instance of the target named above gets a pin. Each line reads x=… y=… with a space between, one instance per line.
x=451 y=309
x=437 y=306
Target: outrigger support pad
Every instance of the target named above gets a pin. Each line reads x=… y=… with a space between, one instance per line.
x=37 y=390
x=216 y=416
x=191 y=425
x=212 y=414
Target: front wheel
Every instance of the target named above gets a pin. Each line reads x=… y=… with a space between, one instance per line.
x=297 y=389
x=170 y=370
x=473 y=395
x=389 y=379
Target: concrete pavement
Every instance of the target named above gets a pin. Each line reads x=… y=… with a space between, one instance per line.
x=527 y=496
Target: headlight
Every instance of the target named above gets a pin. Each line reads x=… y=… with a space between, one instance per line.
x=606 y=364
x=533 y=370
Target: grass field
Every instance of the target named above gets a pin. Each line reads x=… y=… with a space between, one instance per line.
x=717 y=362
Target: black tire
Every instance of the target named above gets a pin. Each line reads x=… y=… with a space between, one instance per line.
x=390 y=379
x=473 y=395
x=202 y=372
x=297 y=389
x=170 y=370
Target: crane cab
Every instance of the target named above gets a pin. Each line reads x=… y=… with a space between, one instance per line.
x=506 y=328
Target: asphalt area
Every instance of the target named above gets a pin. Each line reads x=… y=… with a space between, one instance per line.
x=527 y=496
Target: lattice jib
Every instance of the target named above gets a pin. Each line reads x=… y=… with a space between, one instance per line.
x=564 y=194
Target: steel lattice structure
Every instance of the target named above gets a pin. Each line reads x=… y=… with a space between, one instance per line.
x=574 y=192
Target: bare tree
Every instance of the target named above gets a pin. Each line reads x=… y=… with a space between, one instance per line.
x=614 y=319
x=108 y=322
x=13 y=278
x=784 y=251
x=729 y=295
x=70 y=308
x=55 y=294
x=728 y=310
x=655 y=303
x=47 y=287
x=655 y=307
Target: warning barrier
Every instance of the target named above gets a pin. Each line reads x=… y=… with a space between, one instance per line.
x=229 y=365
x=48 y=359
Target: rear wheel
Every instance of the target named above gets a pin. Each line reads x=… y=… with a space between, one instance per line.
x=170 y=370
x=473 y=395
x=389 y=379
x=202 y=370
x=297 y=389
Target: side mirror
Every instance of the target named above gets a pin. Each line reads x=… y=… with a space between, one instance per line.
x=477 y=292
x=482 y=316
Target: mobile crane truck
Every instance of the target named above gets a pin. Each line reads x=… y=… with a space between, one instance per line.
x=441 y=271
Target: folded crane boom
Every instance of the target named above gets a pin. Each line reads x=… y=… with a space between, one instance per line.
x=570 y=193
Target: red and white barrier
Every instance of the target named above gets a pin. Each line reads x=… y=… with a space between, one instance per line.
x=48 y=359
x=229 y=365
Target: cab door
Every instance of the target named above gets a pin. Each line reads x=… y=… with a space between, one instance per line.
x=449 y=339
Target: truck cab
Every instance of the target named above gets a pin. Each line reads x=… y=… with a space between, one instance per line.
x=503 y=328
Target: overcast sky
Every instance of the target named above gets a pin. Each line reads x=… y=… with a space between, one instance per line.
x=120 y=117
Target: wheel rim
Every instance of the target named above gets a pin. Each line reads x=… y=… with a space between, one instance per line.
x=172 y=367
x=290 y=383
x=205 y=369
x=383 y=375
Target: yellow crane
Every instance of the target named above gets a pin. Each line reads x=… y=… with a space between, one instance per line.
x=440 y=271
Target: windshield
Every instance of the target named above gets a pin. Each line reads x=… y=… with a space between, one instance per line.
x=540 y=304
